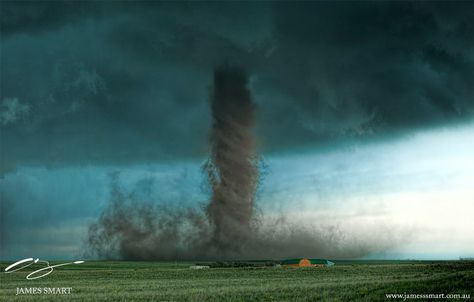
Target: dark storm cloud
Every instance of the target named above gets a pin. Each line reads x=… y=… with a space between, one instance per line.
x=125 y=82
x=33 y=17
x=364 y=67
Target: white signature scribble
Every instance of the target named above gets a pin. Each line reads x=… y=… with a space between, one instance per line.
x=48 y=269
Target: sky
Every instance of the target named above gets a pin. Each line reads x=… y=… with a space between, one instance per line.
x=365 y=115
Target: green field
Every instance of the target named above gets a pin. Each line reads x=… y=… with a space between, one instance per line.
x=166 y=281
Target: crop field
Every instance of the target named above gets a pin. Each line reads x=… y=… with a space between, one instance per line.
x=175 y=281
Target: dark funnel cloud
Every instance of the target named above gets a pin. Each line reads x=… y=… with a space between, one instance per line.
x=231 y=168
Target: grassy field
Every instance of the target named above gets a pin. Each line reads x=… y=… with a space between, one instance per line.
x=165 y=281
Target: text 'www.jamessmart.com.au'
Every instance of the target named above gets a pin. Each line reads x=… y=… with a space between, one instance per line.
x=406 y=296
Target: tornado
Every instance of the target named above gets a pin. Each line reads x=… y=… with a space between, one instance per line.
x=225 y=227
x=231 y=168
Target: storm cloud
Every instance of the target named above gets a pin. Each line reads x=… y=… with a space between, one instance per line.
x=122 y=82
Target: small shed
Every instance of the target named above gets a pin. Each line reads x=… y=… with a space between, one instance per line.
x=305 y=262
x=199 y=266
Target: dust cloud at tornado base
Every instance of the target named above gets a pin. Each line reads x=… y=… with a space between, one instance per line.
x=229 y=226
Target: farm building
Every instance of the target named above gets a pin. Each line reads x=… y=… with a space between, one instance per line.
x=304 y=262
